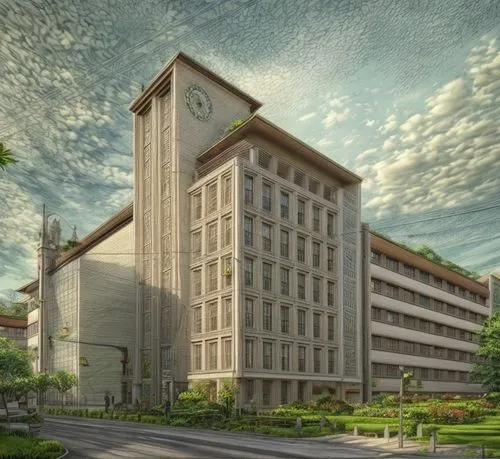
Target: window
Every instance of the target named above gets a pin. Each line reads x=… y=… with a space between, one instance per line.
x=264 y=159
x=284 y=243
x=461 y=292
x=227 y=271
x=316 y=290
x=301 y=249
x=196 y=357
x=316 y=250
x=227 y=226
x=285 y=357
x=249 y=313
x=316 y=325
x=285 y=205
x=211 y=198
x=439 y=352
x=248 y=224
x=408 y=270
x=197 y=320
x=249 y=390
x=376 y=314
x=301 y=286
x=283 y=170
x=212 y=238
x=248 y=353
x=438 y=329
x=316 y=219
x=301 y=322
x=425 y=301
x=212 y=355
x=197 y=282
x=266 y=237
x=328 y=193
x=408 y=296
x=267 y=276
x=330 y=225
x=392 y=291
x=317 y=360
x=331 y=361
x=267 y=192
x=392 y=264
x=267 y=387
x=376 y=286
x=267 y=355
x=285 y=319
x=302 y=358
x=301 y=212
x=331 y=259
x=331 y=328
x=248 y=272
x=227 y=356
x=424 y=277
x=196 y=245
x=301 y=390
x=248 y=190
x=196 y=203
x=451 y=288
x=313 y=185
x=299 y=178
x=438 y=282
x=424 y=325
x=438 y=306
x=267 y=316
x=227 y=190
x=228 y=312
x=212 y=277
x=408 y=347
x=450 y=332
x=212 y=316
x=392 y=317
x=409 y=322
x=375 y=257
x=391 y=344
x=285 y=281
x=425 y=350
x=284 y=392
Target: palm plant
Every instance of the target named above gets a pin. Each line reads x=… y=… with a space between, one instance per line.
x=6 y=157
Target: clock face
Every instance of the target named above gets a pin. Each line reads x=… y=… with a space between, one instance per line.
x=198 y=102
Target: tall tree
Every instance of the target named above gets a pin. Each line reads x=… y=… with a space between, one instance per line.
x=487 y=371
x=6 y=156
x=63 y=382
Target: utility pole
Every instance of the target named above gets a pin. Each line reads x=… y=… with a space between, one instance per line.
x=401 y=393
x=42 y=320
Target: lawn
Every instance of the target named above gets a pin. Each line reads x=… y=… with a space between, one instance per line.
x=21 y=447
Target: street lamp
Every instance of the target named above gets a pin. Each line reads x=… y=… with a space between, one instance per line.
x=401 y=391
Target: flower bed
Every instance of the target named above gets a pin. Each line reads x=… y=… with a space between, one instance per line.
x=24 y=447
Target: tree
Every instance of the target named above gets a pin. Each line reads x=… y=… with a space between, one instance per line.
x=43 y=382
x=487 y=371
x=6 y=157
x=15 y=370
x=63 y=382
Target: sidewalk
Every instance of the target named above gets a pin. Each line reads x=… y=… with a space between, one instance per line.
x=391 y=445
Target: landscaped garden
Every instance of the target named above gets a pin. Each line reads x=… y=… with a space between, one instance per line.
x=19 y=446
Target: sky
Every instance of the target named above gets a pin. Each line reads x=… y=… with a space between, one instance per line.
x=406 y=94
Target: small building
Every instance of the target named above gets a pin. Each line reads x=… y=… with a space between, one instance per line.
x=14 y=329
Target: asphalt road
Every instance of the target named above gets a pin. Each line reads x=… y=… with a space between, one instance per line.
x=103 y=439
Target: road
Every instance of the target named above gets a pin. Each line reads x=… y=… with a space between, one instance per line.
x=103 y=439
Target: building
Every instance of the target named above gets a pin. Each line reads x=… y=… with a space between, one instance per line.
x=14 y=329
x=248 y=244
x=423 y=317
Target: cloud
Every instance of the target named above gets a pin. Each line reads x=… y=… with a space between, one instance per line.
x=307 y=116
x=334 y=117
x=369 y=123
x=324 y=142
x=390 y=124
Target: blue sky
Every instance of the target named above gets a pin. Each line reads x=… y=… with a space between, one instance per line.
x=407 y=94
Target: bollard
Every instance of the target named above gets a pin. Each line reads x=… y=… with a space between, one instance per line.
x=420 y=428
x=432 y=441
x=298 y=425
x=387 y=434
x=356 y=431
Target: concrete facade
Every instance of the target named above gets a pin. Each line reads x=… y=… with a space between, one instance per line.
x=15 y=330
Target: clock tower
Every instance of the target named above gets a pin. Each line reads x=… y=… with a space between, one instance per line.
x=182 y=112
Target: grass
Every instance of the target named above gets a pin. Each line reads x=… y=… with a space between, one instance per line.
x=23 y=447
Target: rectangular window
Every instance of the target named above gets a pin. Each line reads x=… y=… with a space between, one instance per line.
x=317 y=325
x=330 y=225
x=267 y=316
x=331 y=361
x=408 y=347
x=285 y=205
x=425 y=301
x=285 y=281
x=267 y=192
x=301 y=391
x=451 y=288
x=249 y=390
x=248 y=190
x=212 y=316
x=438 y=329
x=424 y=277
x=299 y=178
x=228 y=312
x=248 y=224
x=301 y=212
x=438 y=306
x=285 y=319
x=212 y=277
x=313 y=185
x=392 y=291
x=424 y=325
x=285 y=357
x=316 y=226
x=227 y=271
x=212 y=355
x=408 y=270
x=331 y=328
x=227 y=346
x=283 y=170
x=196 y=357
x=438 y=282
x=425 y=350
x=301 y=286
x=249 y=353
x=249 y=313
x=228 y=190
x=267 y=356
x=267 y=387
x=375 y=257
x=316 y=250
x=376 y=286
x=301 y=322
x=264 y=159
x=331 y=259
x=212 y=238
x=408 y=296
x=197 y=320
x=196 y=203
x=284 y=392
x=302 y=358
x=211 y=198
x=248 y=272
x=267 y=231
x=197 y=282
x=317 y=360
x=316 y=290
x=392 y=264
x=409 y=322
x=392 y=317
x=267 y=276
x=301 y=249
x=284 y=243
x=196 y=245
x=227 y=227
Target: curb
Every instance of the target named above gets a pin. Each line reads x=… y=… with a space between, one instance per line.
x=66 y=452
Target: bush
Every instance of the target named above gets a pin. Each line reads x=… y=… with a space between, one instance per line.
x=17 y=447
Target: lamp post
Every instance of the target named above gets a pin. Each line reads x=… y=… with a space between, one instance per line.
x=401 y=392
